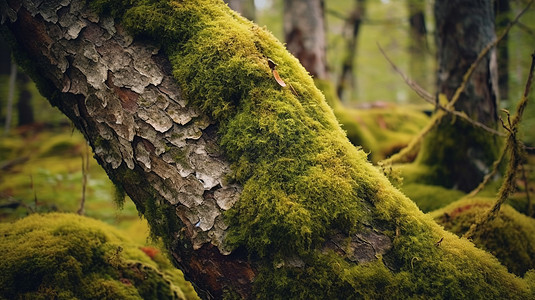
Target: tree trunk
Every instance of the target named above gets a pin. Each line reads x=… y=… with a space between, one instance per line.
x=418 y=47
x=460 y=155
x=503 y=17
x=253 y=186
x=352 y=27
x=24 y=105
x=304 y=31
x=245 y=7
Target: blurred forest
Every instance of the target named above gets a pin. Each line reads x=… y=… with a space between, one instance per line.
x=46 y=165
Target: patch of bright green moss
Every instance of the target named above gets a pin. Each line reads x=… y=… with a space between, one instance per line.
x=302 y=180
x=68 y=256
x=510 y=237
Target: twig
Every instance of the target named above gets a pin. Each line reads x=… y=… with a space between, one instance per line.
x=516 y=149
x=411 y=83
x=487 y=177
x=432 y=100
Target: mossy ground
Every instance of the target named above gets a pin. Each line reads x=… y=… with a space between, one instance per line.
x=66 y=256
x=510 y=237
x=45 y=174
x=302 y=179
x=381 y=129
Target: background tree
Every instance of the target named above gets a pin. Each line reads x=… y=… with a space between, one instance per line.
x=418 y=44
x=458 y=154
x=245 y=7
x=503 y=17
x=252 y=185
x=304 y=31
x=351 y=32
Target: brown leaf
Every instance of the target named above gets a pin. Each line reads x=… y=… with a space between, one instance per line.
x=278 y=79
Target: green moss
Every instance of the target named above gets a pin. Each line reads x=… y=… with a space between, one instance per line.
x=430 y=197
x=68 y=256
x=510 y=237
x=302 y=180
x=458 y=154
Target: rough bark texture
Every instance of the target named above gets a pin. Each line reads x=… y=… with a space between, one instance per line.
x=120 y=94
x=304 y=31
x=464 y=154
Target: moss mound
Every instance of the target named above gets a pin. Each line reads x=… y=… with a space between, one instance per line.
x=66 y=256
x=381 y=129
x=510 y=237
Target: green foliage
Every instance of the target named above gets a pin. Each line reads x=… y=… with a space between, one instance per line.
x=510 y=236
x=66 y=256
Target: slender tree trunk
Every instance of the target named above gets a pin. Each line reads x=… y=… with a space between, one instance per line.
x=245 y=7
x=10 y=97
x=352 y=27
x=418 y=47
x=304 y=31
x=459 y=154
x=24 y=105
x=503 y=17
x=304 y=214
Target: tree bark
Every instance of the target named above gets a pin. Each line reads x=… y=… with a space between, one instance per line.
x=352 y=27
x=343 y=232
x=119 y=93
x=418 y=47
x=459 y=154
x=304 y=31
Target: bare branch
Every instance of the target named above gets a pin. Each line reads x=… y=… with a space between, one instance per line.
x=412 y=147
x=432 y=100
x=516 y=149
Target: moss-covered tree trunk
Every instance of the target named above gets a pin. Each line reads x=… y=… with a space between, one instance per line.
x=460 y=154
x=252 y=185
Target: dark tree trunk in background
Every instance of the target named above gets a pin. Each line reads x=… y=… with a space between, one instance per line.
x=503 y=17
x=5 y=57
x=304 y=31
x=418 y=47
x=460 y=153
x=24 y=105
x=346 y=82
x=245 y=7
